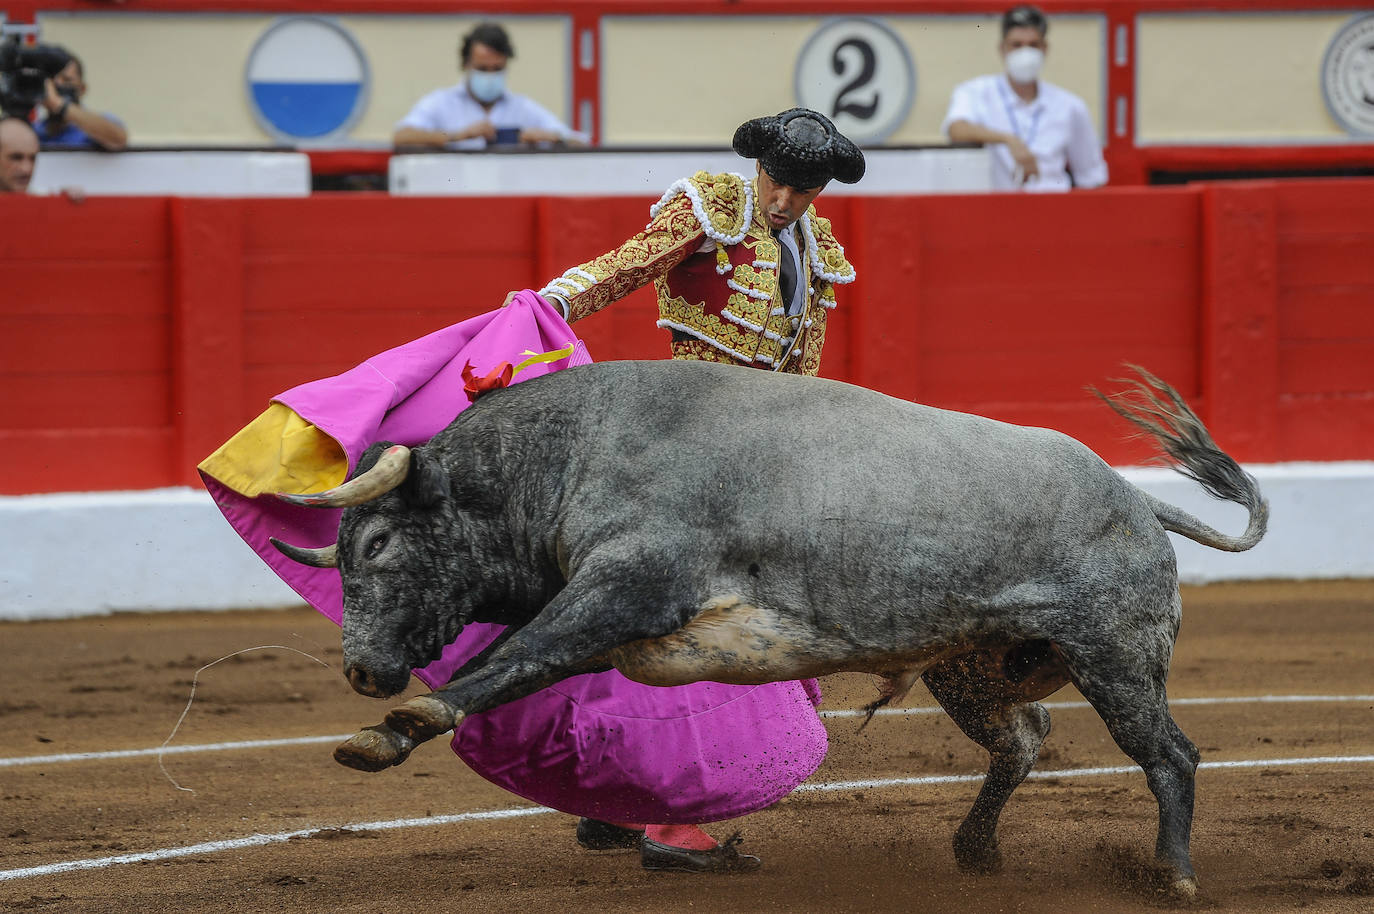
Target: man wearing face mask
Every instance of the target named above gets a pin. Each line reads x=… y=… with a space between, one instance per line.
x=1042 y=135
x=67 y=123
x=480 y=111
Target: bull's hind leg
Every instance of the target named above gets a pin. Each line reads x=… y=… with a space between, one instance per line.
x=984 y=706
x=1124 y=682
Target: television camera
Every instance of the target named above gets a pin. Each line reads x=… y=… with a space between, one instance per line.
x=24 y=68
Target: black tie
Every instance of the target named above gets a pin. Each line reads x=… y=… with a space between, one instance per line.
x=788 y=279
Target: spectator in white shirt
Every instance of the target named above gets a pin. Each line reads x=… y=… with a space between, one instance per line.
x=1041 y=134
x=480 y=111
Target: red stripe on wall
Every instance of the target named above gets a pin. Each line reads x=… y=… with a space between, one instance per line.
x=157 y=328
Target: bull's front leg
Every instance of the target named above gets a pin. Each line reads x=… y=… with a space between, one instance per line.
x=374 y=749
x=380 y=747
x=569 y=637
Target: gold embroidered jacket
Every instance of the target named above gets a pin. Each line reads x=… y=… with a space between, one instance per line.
x=714 y=264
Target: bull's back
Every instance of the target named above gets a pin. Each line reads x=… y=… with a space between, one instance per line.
x=701 y=446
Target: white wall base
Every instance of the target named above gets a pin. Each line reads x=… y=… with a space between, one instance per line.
x=1321 y=522
x=78 y=554
x=170 y=549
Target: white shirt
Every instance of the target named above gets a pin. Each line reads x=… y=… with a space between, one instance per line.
x=451 y=110
x=1055 y=126
x=788 y=241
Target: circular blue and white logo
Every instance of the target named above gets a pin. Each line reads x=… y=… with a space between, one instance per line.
x=1348 y=76
x=307 y=79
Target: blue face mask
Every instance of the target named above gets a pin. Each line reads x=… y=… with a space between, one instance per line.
x=487 y=86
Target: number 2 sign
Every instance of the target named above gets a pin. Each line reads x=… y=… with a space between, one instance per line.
x=858 y=73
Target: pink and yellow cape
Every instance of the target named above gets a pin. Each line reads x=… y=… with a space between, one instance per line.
x=596 y=745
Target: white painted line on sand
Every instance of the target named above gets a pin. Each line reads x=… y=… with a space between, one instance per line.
x=171 y=750
x=1173 y=702
x=261 y=840
x=1077 y=773
x=884 y=712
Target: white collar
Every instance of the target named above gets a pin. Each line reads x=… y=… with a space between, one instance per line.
x=1008 y=92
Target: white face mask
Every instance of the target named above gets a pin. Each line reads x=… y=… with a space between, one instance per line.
x=1024 y=64
x=487 y=86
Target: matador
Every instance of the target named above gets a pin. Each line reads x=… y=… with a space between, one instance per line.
x=744 y=267
x=745 y=271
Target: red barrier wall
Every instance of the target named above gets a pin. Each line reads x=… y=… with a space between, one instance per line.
x=138 y=334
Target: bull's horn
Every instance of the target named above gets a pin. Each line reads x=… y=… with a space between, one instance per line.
x=324 y=557
x=388 y=473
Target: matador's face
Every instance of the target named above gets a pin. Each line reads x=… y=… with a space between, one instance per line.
x=783 y=204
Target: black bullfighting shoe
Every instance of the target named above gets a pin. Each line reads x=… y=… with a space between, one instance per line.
x=723 y=858
x=595 y=835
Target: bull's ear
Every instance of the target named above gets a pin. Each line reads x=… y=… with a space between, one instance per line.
x=426 y=485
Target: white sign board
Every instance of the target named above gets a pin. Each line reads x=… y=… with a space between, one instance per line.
x=167 y=173
x=648 y=173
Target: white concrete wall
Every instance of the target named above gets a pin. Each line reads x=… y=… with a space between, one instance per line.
x=168 y=549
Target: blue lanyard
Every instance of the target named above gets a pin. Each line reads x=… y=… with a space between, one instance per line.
x=1011 y=118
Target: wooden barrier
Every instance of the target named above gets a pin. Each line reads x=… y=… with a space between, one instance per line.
x=137 y=334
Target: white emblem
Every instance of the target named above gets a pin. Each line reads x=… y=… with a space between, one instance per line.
x=858 y=73
x=1348 y=76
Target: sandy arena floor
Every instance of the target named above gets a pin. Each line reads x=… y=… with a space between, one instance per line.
x=1268 y=837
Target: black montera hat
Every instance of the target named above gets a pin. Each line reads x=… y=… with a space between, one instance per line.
x=800 y=148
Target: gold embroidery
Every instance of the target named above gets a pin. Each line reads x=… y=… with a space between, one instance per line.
x=745 y=343
x=715 y=206
x=722 y=197
x=828 y=250
x=700 y=351
x=665 y=243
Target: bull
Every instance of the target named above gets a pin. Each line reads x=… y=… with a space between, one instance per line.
x=684 y=521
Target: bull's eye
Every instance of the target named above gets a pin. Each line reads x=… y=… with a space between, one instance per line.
x=376 y=545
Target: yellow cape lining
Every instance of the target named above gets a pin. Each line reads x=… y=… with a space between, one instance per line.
x=278 y=452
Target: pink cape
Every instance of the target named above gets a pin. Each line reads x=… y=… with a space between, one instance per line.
x=595 y=745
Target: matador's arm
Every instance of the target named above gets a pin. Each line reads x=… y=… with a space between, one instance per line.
x=674 y=234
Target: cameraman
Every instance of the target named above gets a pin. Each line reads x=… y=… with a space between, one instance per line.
x=67 y=123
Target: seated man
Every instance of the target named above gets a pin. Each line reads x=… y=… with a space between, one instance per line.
x=18 y=153
x=1041 y=134
x=480 y=111
x=67 y=123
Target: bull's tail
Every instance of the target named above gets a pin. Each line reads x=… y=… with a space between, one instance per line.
x=1157 y=409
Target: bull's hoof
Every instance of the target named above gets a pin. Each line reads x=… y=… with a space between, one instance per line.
x=977 y=857
x=374 y=749
x=1184 y=889
x=423 y=718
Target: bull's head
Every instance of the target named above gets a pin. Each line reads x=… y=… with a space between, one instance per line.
x=407 y=590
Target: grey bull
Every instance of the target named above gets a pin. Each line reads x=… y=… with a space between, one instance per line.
x=684 y=521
